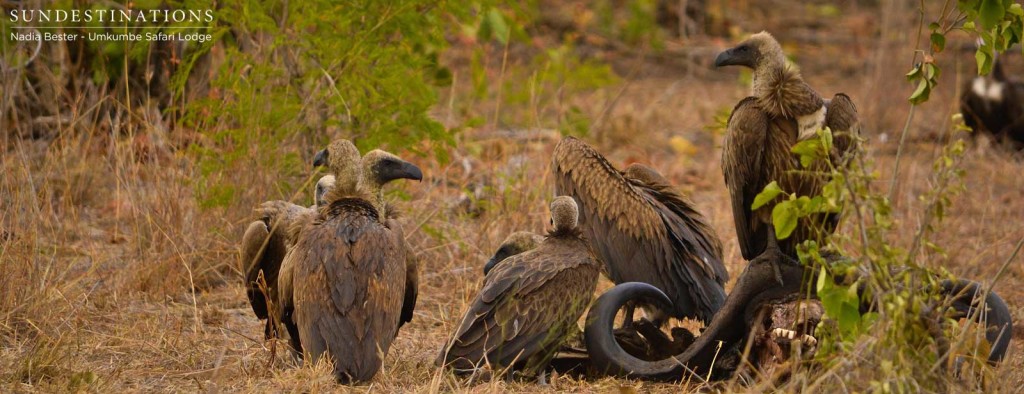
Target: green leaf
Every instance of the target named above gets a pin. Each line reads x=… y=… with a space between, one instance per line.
x=938 y=42
x=769 y=193
x=784 y=217
x=984 y=60
x=990 y=13
x=920 y=94
x=1016 y=9
x=808 y=150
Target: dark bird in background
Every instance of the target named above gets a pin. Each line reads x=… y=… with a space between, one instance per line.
x=348 y=270
x=994 y=104
x=643 y=229
x=529 y=304
x=761 y=132
x=267 y=240
x=516 y=243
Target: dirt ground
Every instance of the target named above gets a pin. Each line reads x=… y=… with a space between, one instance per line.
x=117 y=281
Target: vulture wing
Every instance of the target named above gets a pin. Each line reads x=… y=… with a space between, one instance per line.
x=264 y=245
x=349 y=280
x=844 y=121
x=412 y=274
x=638 y=232
x=742 y=163
x=528 y=304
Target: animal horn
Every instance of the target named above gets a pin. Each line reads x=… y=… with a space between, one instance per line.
x=605 y=352
x=996 y=316
x=757 y=285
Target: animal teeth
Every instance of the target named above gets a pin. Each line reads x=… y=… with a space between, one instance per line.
x=809 y=340
x=783 y=333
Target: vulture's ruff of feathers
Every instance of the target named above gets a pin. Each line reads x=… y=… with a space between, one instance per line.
x=643 y=232
x=529 y=305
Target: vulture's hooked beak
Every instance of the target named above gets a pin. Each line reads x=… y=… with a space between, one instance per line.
x=320 y=159
x=405 y=170
x=742 y=55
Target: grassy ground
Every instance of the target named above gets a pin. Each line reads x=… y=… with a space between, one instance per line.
x=114 y=279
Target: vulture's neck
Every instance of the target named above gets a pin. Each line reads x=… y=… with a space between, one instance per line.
x=777 y=85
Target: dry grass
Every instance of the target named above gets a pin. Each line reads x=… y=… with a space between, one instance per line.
x=115 y=280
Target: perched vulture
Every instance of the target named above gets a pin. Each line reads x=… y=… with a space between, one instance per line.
x=643 y=229
x=529 y=304
x=265 y=243
x=994 y=104
x=761 y=132
x=516 y=243
x=347 y=270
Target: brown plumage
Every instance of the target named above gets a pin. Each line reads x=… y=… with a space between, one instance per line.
x=529 y=303
x=265 y=243
x=757 y=147
x=644 y=232
x=516 y=243
x=348 y=270
x=994 y=104
x=777 y=86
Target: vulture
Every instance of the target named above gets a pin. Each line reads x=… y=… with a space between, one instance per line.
x=777 y=86
x=516 y=243
x=378 y=168
x=760 y=133
x=347 y=269
x=643 y=229
x=994 y=104
x=529 y=303
x=265 y=243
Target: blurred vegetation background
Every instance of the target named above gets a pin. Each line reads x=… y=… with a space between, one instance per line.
x=130 y=168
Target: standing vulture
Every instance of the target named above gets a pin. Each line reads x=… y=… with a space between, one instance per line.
x=347 y=270
x=530 y=302
x=516 y=243
x=267 y=240
x=756 y=151
x=378 y=169
x=643 y=229
x=994 y=104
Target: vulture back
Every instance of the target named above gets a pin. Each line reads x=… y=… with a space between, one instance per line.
x=349 y=284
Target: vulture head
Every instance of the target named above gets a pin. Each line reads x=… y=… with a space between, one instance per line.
x=516 y=243
x=759 y=50
x=323 y=185
x=379 y=168
x=564 y=215
x=342 y=160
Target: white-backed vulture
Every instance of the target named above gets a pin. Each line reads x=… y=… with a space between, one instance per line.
x=265 y=243
x=643 y=230
x=516 y=243
x=777 y=86
x=529 y=304
x=758 y=142
x=994 y=104
x=348 y=270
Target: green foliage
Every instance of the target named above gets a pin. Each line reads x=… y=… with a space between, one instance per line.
x=319 y=70
x=999 y=23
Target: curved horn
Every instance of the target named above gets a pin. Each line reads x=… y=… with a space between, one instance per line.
x=997 y=318
x=605 y=352
x=756 y=285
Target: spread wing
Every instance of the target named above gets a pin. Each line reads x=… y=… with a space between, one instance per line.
x=639 y=237
x=527 y=306
x=349 y=278
x=742 y=161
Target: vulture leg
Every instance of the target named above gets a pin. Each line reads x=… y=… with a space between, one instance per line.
x=773 y=255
